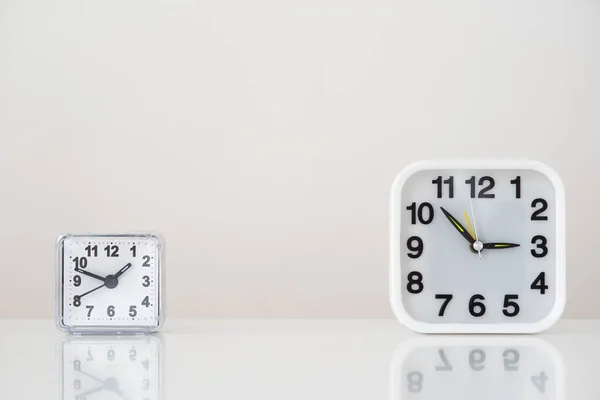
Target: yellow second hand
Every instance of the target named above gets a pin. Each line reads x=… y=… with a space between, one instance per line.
x=469 y=225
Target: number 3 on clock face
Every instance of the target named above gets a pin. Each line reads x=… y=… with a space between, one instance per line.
x=477 y=247
x=109 y=283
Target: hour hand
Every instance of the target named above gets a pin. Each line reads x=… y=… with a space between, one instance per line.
x=122 y=270
x=500 y=245
x=461 y=229
x=84 y=272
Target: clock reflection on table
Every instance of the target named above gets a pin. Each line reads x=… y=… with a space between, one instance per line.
x=475 y=367
x=98 y=368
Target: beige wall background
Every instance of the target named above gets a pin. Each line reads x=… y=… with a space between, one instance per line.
x=261 y=138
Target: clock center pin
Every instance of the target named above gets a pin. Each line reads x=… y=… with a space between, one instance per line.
x=111 y=282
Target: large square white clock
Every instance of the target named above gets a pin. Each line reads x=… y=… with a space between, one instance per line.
x=477 y=247
x=110 y=283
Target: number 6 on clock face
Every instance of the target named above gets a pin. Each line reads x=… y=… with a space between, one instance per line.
x=477 y=247
x=109 y=283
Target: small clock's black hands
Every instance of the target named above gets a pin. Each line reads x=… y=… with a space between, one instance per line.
x=461 y=229
x=122 y=271
x=500 y=245
x=91 y=291
x=84 y=272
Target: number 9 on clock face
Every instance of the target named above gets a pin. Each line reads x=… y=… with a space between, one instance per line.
x=109 y=283
x=477 y=247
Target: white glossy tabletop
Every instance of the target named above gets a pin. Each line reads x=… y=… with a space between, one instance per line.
x=297 y=359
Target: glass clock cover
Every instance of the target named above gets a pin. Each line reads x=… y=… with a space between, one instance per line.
x=110 y=283
x=477 y=247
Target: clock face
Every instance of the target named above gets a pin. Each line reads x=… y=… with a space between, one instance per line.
x=110 y=282
x=111 y=369
x=478 y=248
x=476 y=368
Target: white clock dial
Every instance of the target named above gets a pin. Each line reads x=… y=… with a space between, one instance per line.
x=476 y=368
x=478 y=248
x=110 y=282
x=111 y=369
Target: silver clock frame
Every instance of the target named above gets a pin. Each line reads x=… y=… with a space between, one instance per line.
x=106 y=329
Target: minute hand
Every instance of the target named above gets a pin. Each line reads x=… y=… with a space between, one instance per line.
x=461 y=229
x=500 y=245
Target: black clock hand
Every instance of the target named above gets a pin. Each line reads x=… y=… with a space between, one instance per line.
x=500 y=245
x=84 y=272
x=122 y=271
x=458 y=226
x=91 y=291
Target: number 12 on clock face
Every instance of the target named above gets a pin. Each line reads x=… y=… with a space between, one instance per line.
x=109 y=283
x=477 y=247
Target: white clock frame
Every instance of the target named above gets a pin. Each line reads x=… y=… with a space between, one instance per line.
x=395 y=255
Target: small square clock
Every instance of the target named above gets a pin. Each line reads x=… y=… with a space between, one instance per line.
x=110 y=283
x=477 y=247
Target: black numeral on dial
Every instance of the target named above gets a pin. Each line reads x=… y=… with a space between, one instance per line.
x=110 y=311
x=487 y=183
x=423 y=213
x=440 y=186
x=511 y=308
x=146 y=302
x=446 y=298
x=540 y=244
x=146 y=261
x=415 y=282
x=92 y=251
x=146 y=281
x=112 y=251
x=415 y=244
x=540 y=283
x=80 y=262
x=536 y=216
x=476 y=308
x=517 y=183
x=77 y=280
